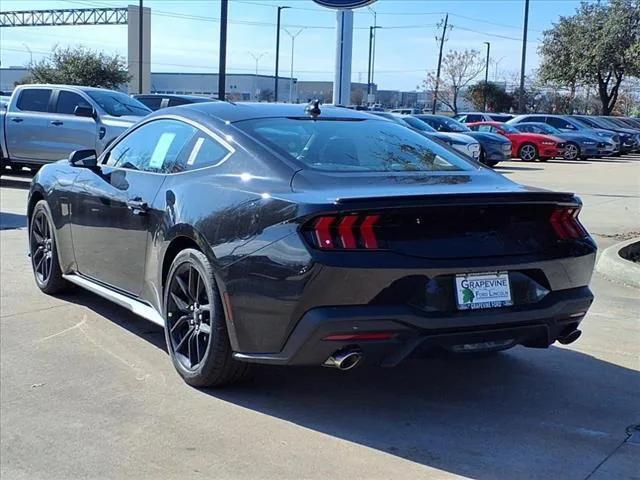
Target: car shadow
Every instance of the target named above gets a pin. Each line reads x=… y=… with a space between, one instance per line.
x=524 y=413
x=10 y=221
x=507 y=168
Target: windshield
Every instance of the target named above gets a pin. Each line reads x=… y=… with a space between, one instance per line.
x=446 y=124
x=586 y=122
x=544 y=128
x=353 y=145
x=118 y=104
x=508 y=128
x=418 y=124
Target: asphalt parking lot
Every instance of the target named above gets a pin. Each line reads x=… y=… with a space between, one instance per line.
x=88 y=391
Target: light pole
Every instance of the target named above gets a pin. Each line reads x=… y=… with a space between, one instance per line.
x=30 y=54
x=293 y=43
x=257 y=59
x=275 y=91
x=140 y=50
x=372 y=61
x=486 y=78
x=495 y=71
x=372 y=29
x=222 y=62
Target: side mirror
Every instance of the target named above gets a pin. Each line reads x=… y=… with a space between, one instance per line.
x=84 y=158
x=84 y=111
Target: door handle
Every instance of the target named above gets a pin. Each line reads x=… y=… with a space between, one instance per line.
x=137 y=206
x=56 y=122
x=17 y=120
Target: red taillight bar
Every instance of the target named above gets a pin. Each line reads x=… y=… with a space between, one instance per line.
x=348 y=232
x=566 y=225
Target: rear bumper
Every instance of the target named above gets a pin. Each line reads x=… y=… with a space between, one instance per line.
x=415 y=331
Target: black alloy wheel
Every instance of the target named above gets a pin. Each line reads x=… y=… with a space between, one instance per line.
x=43 y=251
x=195 y=324
x=189 y=316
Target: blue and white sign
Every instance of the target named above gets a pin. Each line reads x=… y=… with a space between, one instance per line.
x=344 y=4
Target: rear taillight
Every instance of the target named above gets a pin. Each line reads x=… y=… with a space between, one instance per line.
x=346 y=232
x=566 y=224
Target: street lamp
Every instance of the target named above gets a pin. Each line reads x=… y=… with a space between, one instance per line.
x=486 y=77
x=371 y=59
x=293 y=42
x=275 y=93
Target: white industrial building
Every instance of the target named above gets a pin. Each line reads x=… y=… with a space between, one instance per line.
x=240 y=87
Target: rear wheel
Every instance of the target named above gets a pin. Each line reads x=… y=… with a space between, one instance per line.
x=571 y=151
x=195 y=326
x=528 y=152
x=44 y=251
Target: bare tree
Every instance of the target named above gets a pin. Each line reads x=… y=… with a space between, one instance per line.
x=459 y=69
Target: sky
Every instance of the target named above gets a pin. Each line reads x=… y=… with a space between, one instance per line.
x=185 y=36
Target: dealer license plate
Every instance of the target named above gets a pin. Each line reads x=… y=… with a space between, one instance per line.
x=483 y=290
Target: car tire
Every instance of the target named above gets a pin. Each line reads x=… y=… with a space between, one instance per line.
x=528 y=152
x=195 y=324
x=544 y=159
x=43 y=250
x=571 y=151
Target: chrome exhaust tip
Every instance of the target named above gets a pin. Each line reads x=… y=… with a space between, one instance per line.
x=570 y=337
x=344 y=359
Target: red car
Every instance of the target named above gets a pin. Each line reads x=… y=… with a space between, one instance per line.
x=526 y=146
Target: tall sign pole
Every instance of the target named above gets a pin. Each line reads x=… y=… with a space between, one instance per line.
x=140 y=50
x=275 y=90
x=344 y=46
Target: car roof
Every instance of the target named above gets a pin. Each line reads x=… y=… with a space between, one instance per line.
x=68 y=87
x=235 y=112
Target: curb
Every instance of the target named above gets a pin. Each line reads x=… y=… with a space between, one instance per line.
x=616 y=268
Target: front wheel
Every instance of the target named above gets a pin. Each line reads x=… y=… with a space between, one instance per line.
x=195 y=327
x=571 y=151
x=43 y=251
x=528 y=152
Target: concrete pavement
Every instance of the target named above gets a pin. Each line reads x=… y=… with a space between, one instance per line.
x=87 y=389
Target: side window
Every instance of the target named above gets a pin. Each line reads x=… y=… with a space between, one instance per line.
x=473 y=118
x=174 y=102
x=486 y=128
x=34 y=100
x=154 y=147
x=559 y=123
x=532 y=119
x=68 y=101
x=462 y=119
x=202 y=151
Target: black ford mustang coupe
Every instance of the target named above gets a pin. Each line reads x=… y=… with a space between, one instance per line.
x=280 y=234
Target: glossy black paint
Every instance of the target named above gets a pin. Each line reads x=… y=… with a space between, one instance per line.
x=122 y=228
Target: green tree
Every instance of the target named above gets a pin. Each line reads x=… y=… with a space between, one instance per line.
x=498 y=100
x=599 y=45
x=80 y=66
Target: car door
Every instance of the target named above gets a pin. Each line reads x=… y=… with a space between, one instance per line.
x=25 y=122
x=114 y=211
x=67 y=132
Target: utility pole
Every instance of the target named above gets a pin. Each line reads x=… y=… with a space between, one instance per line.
x=275 y=90
x=372 y=30
x=521 y=107
x=372 y=61
x=486 y=78
x=140 y=14
x=293 y=42
x=222 y=69
x=435 y=93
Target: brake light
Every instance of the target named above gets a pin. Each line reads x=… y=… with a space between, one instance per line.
x=347 y=232
x=566 y=225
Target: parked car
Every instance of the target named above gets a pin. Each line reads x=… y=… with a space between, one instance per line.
x=4 y=101
x=470 y=117
x=526 y=146
x=156 y=101
x=44 y=123
x=271 y=233
x=629 y=137
x=466 y=145
x=463 y=143
x=494 y=148
x=566 y=123
x=577 y=145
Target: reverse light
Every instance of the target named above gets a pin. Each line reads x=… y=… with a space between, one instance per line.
x=345 y=232
x=566 y=225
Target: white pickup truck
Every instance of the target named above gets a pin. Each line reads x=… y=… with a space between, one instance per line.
x=45 y=123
